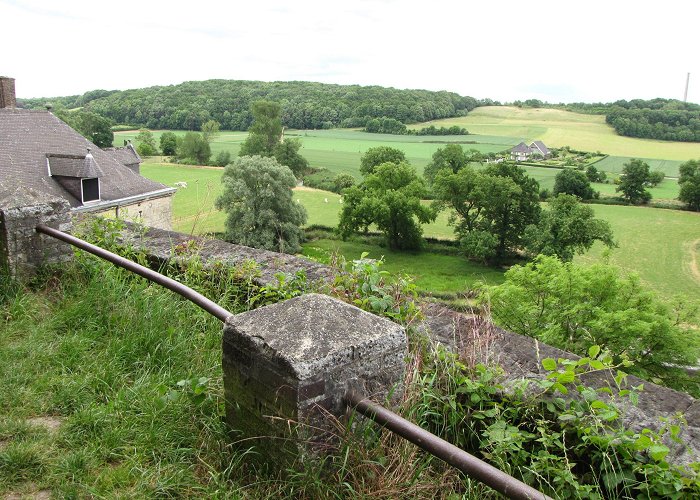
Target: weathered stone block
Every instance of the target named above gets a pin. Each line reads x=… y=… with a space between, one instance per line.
x=287 y=366
x=22 y=249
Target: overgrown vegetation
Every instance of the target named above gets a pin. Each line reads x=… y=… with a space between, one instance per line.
x=132 y=373
x=574 y=307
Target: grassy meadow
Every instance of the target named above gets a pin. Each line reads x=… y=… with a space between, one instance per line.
x=341 y=150
x=658 y=244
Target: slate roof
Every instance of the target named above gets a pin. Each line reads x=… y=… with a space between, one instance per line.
x=520 y=148
x=126 y=155
x=540 y=145
x=33 y=140
x=74 y=166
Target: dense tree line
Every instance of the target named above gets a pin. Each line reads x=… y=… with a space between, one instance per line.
x=664 y=119
x=189 y=105
x=663 y=124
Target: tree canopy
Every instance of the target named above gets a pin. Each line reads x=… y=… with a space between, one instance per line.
x=257 y=197
x=689 y=181
x=195 y=147
x=146 y=143
x=492 y=208
x=573 y=307
x=168 y=143
x=633 y=181
x=265 y=132
x=573 y=182
x=390 y=198
x=567 y=228
x=305 y=105
x=374 y=157
x=287 y=153
x=451 y=157
x=92 y=126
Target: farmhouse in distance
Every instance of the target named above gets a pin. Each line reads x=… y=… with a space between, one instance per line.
x=523 y=152
x=42 y=154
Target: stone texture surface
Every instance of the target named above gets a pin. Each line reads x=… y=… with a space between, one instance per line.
x=22 y=249
x=291 y=362
x=153 y=212
x=161 y=244
x=521 y=357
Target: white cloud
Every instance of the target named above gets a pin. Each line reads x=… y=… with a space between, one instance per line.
x=553 y=50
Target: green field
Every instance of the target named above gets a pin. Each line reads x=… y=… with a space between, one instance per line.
x=340 y=150
x=658 y=244
x=432 y=272
x=557 y=128
x=615 y=164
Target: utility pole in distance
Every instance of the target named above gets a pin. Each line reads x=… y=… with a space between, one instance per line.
x=685 y=95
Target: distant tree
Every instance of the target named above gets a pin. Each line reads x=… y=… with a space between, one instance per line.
x=194 y=147
x=385 y=126
x=507 y=216
x=451 y=157
x=379 y=155
x=146 y=143
x=689 y=182
x=222 y=159
x=491 y=208
x=257 y=197
x=635 y=175
x=390 y=198
x=343 y=181
x=573 y=307
x=656 y=177
x=574 y=182
x=265 y=132
x=168 y=143
x=287 y=153
x=595 y=175
x=567 y=228
x=210 y=129
x=92 y=126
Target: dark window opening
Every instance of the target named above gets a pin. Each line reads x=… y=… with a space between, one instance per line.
x=91 y=189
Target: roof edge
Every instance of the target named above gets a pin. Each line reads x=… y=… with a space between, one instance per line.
x=122 y=201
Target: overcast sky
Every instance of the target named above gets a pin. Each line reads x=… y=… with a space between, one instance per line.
x=505 y=50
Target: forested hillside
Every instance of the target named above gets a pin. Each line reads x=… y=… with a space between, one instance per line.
x=305 y=105
x=664 y=119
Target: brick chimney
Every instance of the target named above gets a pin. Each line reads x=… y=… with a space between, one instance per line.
x=7 y=92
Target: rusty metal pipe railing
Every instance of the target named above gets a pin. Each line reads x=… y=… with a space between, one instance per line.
x=456 y=457
x=208 y=305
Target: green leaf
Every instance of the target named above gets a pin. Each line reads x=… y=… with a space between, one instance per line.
x=566 y=378
x=560 y=388
x=599 y=405
x=593 y=351
x=597 y=365
x=658 y=452
x=549 y=364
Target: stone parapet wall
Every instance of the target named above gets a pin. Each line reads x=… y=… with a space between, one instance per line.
x=22 y=249
x=287 y=366
x=163 y=246
x=520 y=356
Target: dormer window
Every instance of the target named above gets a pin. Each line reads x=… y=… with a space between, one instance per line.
x=77 y=174
x=90 y=189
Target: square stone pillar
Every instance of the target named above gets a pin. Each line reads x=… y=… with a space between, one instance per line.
x=287 y=365
x=22 y=250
